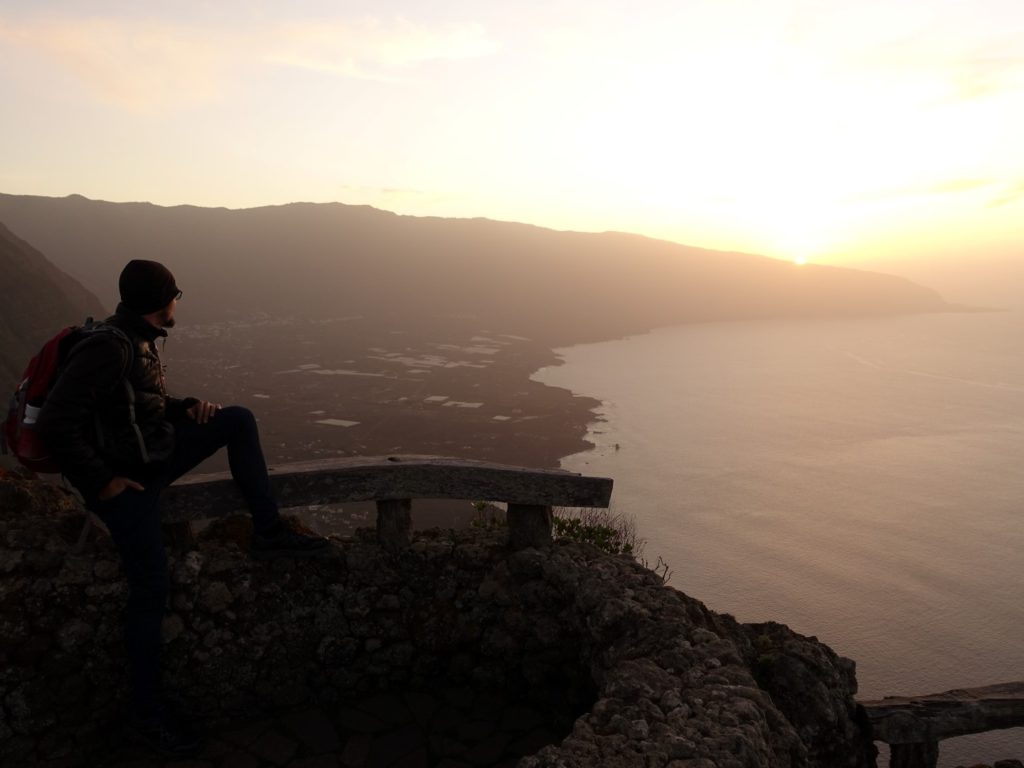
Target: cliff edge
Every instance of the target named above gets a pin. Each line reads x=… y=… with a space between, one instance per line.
x=641 y=674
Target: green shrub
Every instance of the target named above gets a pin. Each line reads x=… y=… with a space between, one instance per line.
x=604 y=537
x=488 y=516
x=605 y=529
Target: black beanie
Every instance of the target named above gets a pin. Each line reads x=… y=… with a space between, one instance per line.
x=146 y=286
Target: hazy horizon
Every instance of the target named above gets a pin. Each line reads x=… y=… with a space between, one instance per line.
x=995 y=282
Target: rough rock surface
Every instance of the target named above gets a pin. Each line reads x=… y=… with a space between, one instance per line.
x=646 y=676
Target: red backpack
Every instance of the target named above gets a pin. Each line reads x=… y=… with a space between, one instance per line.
x=19 y=431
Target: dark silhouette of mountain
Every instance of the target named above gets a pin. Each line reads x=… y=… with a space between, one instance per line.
x=321 y=260
x=36 y=300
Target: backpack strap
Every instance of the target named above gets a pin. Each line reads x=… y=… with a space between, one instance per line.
x=130 y=391
x=143 y=451
x=126 y=381
x=92 y=327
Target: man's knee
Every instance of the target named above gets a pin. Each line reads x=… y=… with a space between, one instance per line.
x=238 y=417
x=235 y=422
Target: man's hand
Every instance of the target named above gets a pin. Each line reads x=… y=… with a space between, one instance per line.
x=117 y=486
x=203 y=411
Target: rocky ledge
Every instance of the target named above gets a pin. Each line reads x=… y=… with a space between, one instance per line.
x=638 y=673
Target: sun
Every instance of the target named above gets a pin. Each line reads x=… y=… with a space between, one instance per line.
x=797 y=229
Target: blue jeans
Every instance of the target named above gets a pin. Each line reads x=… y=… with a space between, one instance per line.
x=133 y=518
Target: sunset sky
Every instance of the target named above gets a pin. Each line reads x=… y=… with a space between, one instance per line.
x=833 y=131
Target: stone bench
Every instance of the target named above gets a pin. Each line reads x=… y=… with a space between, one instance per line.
x=393 y=482
x=913 y=726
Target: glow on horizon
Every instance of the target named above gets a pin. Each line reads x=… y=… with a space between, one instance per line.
x=835 y=131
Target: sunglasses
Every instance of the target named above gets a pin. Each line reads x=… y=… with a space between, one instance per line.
x=178 y=295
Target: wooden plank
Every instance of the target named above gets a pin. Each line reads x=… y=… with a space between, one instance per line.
x=924 y=719
x=388 y=477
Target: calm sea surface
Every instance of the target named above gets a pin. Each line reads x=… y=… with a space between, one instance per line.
x=858 y=480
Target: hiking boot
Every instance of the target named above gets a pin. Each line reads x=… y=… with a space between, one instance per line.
x=287 y=542
x=166 y=735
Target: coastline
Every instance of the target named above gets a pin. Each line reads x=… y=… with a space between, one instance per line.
x=811 y=456
x=350 y=389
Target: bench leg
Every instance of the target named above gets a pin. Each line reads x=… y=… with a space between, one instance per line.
x=924 y=754
x=394 y=523
x=529 y=525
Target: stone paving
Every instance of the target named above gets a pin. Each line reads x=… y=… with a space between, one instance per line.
x=453 y=728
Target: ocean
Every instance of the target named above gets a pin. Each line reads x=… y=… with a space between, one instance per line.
x=859 y=480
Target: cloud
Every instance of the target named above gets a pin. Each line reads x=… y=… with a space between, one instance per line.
x=1012 y=194
x=982 y=75
x=132 y=64
x=953 y=186
x=1002 y=193
x=377 y=49
x=967 y=68
x=145 y=64
x=928 y=189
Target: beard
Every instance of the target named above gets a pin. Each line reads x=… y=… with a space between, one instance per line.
x=167 y=322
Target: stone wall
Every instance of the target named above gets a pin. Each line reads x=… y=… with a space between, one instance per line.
x=650 y=676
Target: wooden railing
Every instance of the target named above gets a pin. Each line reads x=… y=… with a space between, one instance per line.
x=913 y=726
x=393 y=482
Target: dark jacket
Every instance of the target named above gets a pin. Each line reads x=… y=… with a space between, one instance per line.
x=87 y=420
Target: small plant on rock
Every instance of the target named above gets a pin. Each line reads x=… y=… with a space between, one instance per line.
x=487 y=515
x=609 y=531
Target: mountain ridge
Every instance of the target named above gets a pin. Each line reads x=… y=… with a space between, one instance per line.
x=559 y=286
x=36 y=300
